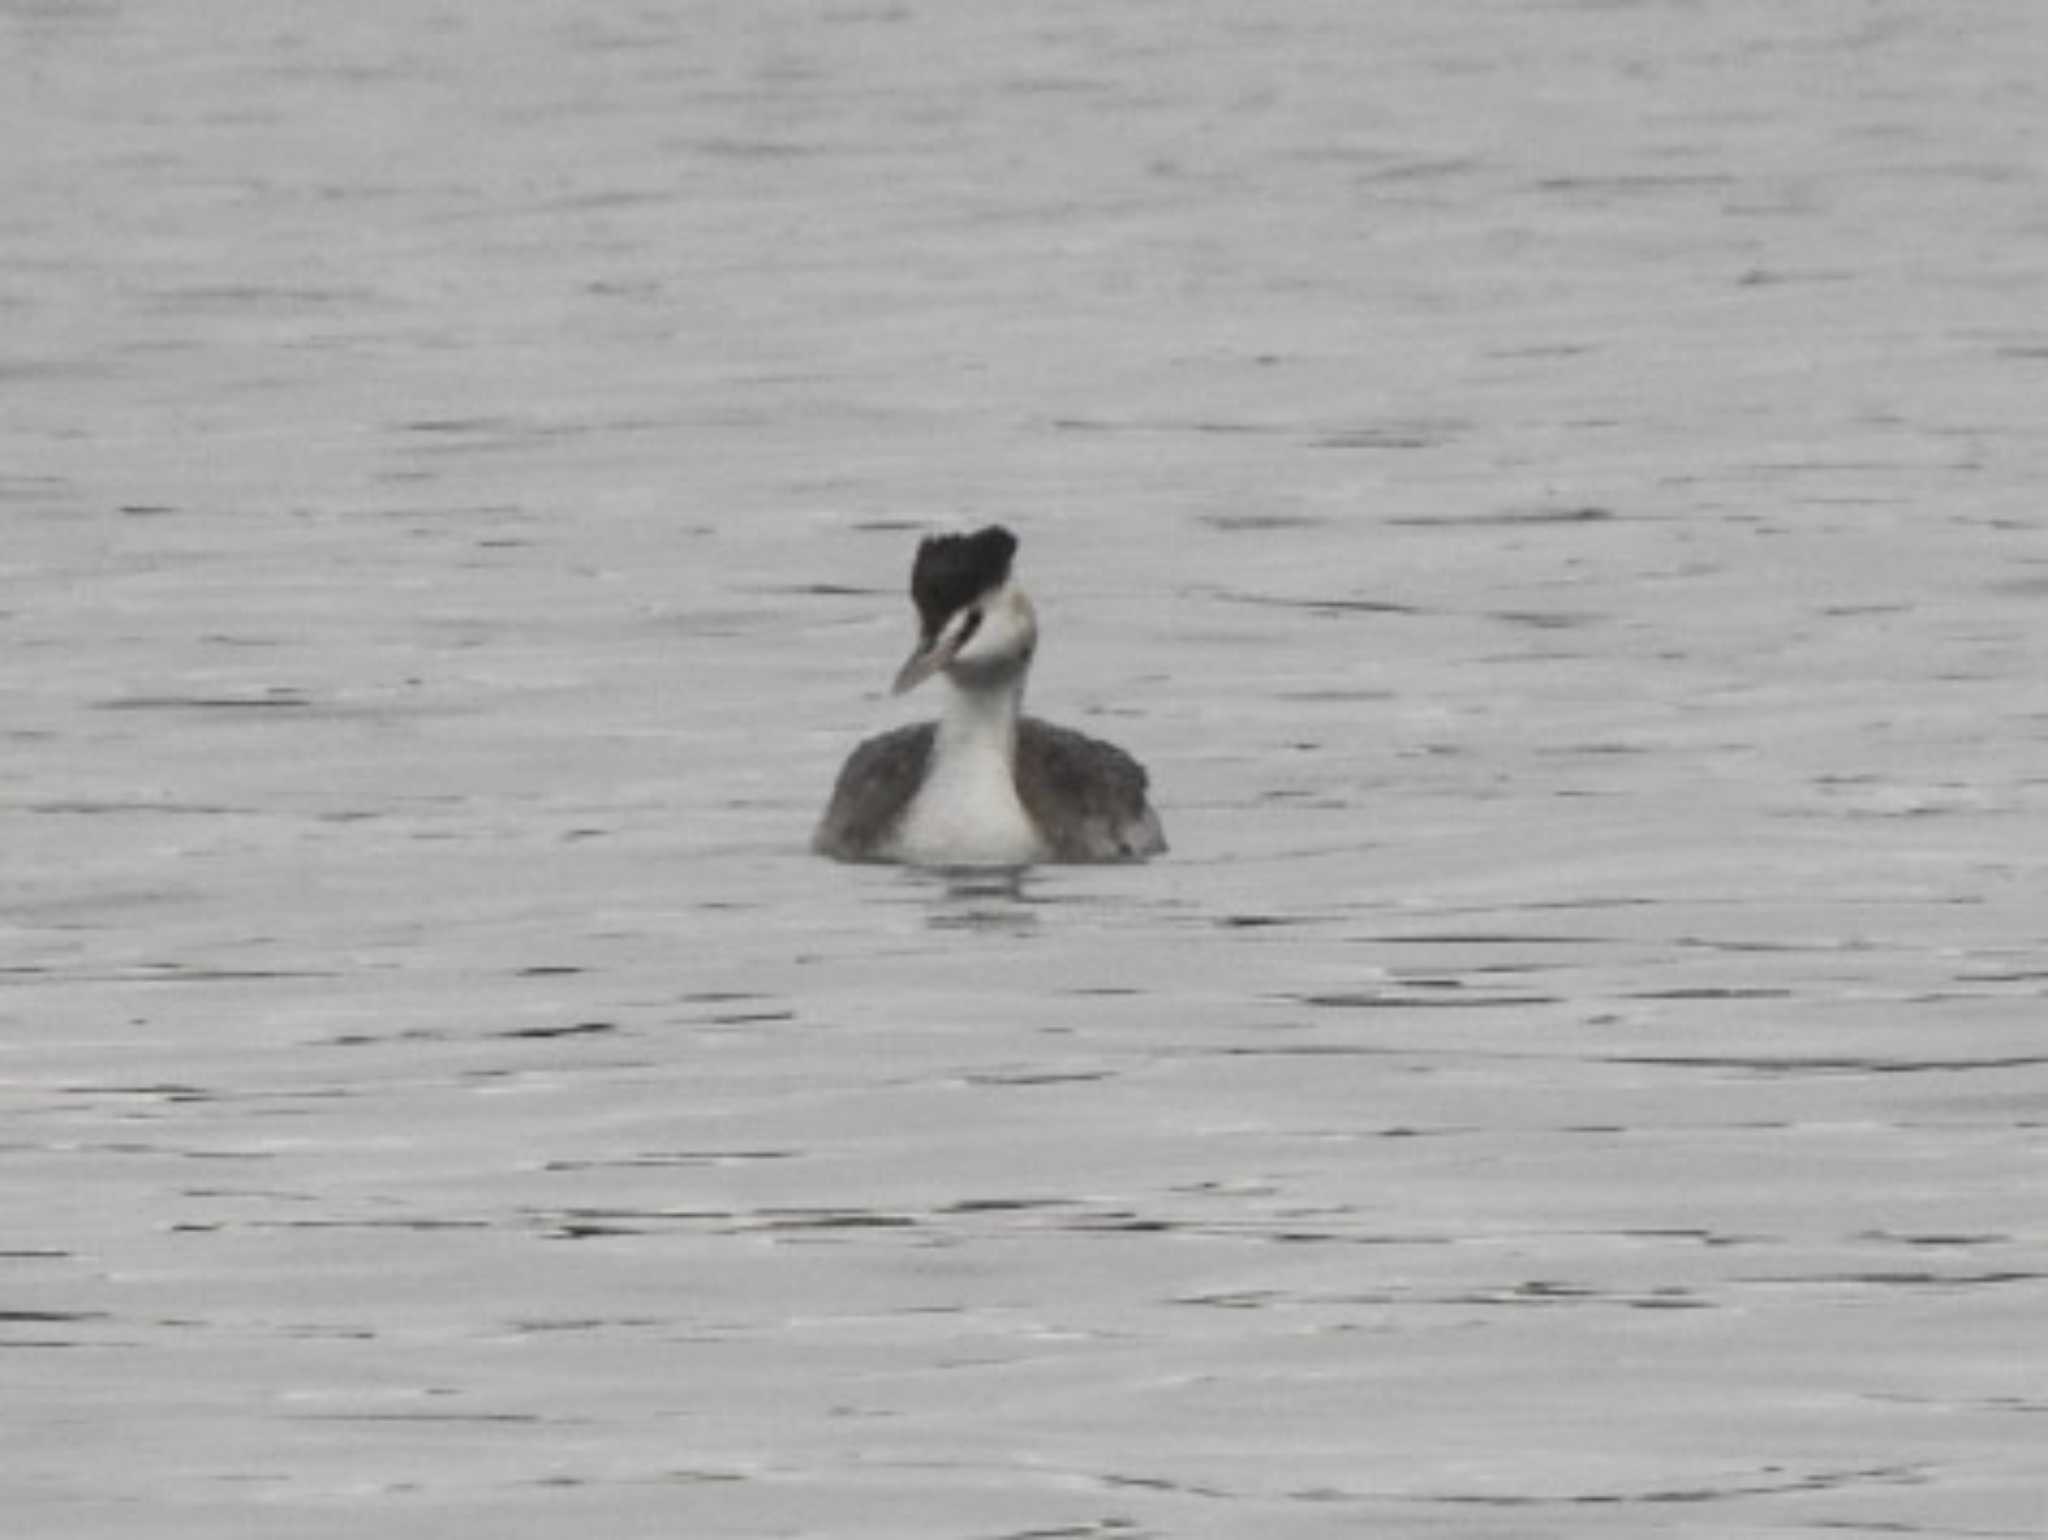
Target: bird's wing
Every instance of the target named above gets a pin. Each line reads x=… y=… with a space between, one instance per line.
x=1086 y=796
x=874 y=787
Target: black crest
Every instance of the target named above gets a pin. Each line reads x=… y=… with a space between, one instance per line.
x=955 y=570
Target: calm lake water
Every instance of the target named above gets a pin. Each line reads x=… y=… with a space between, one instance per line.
x=1552 y=490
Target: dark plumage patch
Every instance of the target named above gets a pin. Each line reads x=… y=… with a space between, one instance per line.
x=874 y=788
x=955 y=570
x=1087 y=797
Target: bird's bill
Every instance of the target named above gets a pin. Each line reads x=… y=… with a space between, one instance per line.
x=931 y=655
x=927 y=660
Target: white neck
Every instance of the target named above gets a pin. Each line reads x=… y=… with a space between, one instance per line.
x=981 y=716
x=968 y=813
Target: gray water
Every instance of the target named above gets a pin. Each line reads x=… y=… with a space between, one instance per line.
x=1553 y=491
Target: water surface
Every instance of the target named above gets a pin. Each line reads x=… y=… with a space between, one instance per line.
x=1551 y=489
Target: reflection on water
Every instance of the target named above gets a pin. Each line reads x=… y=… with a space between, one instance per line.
x=992 y=899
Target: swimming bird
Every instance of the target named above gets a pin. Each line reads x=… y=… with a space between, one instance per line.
x=984 y=785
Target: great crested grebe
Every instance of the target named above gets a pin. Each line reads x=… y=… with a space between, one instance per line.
x=984 y=785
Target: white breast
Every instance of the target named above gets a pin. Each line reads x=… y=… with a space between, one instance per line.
x=967 y=813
